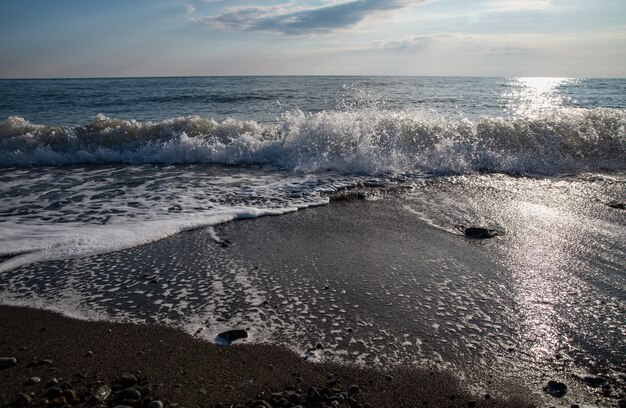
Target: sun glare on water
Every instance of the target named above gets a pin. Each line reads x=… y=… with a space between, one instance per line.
x=531 y=96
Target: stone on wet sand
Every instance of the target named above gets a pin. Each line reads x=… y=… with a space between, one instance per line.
x=128 y=380
x=478 y=232
x=556 y=388
x=227 y=337
x=129 y=394
x=155 y=404
x=594 y=381
x=103 y=393
x=33 y=381
x=7 y=362
x=617 y=205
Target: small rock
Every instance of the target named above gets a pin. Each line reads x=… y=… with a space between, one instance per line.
x=556 y=389
x=7 y=362
x=38 y=363
x=33 y=381
x=129 y=394
x=227 y=337
x=90 y=353
x=54 y=392
x=128 y=380
x=155 y=404
x=52 y=382
x=319 y=346
x=617 y=205
x=471 y=404
x=593 y=381
x=70 y=395
x=260 y=404
x=58 y=401
x=478 y=232
x=353 y=389
x=103 y=393
x=313 y=395
x=487 y=396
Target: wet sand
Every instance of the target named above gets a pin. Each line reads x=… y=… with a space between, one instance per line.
x=382 y=291
x=194 y=373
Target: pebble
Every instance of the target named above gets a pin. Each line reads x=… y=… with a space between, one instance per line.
x=103 y=393
x=471 y=404
x=6 y=362
x=556 y=388
x=129 y=394
x=33 y=381
x=312 y=394
x=155 y=404
x=227 y=337
x=593 y=381
x=54 y=392
x=354 y=389
x=128 y=380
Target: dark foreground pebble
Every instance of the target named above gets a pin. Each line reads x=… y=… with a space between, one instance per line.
x=7 y=362
x=556 y=389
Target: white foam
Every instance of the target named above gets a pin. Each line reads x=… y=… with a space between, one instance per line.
x=365 y=140
x=71 y=240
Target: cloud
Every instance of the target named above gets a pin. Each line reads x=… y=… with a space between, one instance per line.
x=289 y=19
x=519 y=5
x=189 y=8
x=460 y=42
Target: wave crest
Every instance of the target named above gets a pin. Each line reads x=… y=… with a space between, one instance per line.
x=369 y=141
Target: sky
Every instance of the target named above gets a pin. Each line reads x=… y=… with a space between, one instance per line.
x=119 y=38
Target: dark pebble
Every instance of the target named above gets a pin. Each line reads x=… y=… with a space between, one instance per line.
x=319 y=346
x=312 y=394
x=556 y=389
x=229 y=336
x=54 y=392
x=7 y=362
x=471 y=404
x=155 y=404
x=478 y=232
x=33 y=381
x=617 y=205
x=353 y=389
x=128 y=380
x=593 y=381
x=129 y=394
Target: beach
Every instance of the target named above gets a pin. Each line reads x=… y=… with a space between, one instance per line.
x=339 y=289
x=180 y=369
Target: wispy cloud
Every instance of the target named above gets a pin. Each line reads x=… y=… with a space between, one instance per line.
x=290 y=19
x=519 y=5
x=189 y=8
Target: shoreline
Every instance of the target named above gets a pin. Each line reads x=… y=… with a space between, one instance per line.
x=372 y=281
x=181 y=369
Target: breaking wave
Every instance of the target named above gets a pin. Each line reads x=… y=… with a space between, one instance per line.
x=366 y=141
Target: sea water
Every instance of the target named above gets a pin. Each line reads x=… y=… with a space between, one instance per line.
x=94 y=166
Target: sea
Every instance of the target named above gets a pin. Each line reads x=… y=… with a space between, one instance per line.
x=92 y=169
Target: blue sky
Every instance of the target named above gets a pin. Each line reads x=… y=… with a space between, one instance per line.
x=97 y=38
